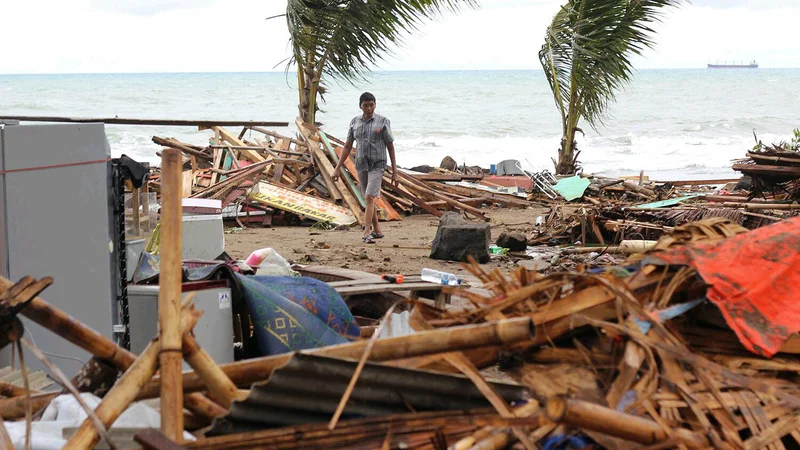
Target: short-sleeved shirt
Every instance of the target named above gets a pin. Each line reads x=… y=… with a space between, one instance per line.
x=372 y=137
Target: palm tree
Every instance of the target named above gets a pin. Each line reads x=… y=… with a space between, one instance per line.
x=343 y=39
x=586 y=57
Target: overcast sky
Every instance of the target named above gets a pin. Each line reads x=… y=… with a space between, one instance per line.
x=85 y=36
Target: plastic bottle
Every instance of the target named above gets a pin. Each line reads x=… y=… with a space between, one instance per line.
x=435 y=276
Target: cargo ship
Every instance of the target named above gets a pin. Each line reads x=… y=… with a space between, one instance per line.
x=753 y=65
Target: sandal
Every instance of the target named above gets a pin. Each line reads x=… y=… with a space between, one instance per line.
x=368 y=239
x=376 y=235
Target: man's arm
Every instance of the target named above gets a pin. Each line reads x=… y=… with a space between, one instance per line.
x=390 y=148
x=348 y=147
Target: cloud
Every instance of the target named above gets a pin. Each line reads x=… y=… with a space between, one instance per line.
x=146 y=7
x=78 y=36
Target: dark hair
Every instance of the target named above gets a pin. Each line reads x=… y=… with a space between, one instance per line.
x=366 y=97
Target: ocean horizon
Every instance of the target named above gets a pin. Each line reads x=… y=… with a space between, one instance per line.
x=671 y=123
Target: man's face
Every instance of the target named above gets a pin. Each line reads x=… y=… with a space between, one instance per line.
x=368 y=108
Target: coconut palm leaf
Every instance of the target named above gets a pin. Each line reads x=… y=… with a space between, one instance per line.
x=344 y=39
x=349 y=37
x=588 y=48
x=587 y=55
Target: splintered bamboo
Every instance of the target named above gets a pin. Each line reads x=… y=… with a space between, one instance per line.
x=62 y=324
x=169 y=297
x=598 y=418
x=219 y=385
x=442 y=340
x=124 y=391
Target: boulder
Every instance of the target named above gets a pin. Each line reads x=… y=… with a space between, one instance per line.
x=423 y=169
x=449 y=164
x=516 y=242
x=456 y=239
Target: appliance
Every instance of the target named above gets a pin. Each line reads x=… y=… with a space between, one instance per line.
x=59 y=217
x=214 y=330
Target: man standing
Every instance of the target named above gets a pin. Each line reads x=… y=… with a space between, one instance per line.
x=373 y=133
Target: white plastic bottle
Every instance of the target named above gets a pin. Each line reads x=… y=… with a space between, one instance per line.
x=435 y=276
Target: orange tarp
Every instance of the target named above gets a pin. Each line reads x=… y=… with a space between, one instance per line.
x=754 y=279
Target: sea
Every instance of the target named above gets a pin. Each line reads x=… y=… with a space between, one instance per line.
x=671 y=124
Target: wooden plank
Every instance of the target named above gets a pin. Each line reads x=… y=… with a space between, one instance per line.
x=446 y=177
x=415 y=199
x=765 y=170
x=388 y=287
x=225 y=135
x=217 y=164
x=408 y=181
x=157 y=122
x=276 y=177
x=292 y=201
x=187 y=182
x=325 y=165
x=348 y=173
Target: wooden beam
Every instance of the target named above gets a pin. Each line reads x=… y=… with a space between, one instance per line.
x=156 y=122
x=226 y=136
x=169 y=298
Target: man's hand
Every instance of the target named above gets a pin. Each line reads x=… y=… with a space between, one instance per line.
x=394 y=178
x=336 y=173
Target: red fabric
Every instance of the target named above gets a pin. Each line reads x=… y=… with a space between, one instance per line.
x=754 y=280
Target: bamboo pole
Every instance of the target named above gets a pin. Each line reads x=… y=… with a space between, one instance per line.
x=62 y=324
x=125 y=390
x=5 y=439
x=14 y=408
x=249 y=371
x=169 y=297
x=219 y=385
x=11 y=390
x=598 y=418
x=526 y=410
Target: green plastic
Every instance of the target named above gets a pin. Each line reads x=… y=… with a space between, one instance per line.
x=572 y=187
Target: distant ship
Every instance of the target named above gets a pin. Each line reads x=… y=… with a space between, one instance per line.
x=753 y=65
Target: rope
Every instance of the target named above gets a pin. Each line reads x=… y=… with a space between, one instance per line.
x=55 y=166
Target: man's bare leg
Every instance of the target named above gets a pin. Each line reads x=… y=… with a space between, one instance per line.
x=375 y=225
x=370 y=215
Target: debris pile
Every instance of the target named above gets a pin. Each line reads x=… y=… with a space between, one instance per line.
x=276 y=174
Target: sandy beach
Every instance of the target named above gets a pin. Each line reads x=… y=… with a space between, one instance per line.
x=405 y=249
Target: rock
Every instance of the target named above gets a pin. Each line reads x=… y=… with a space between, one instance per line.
x=449 y=164
x=516 y=242
x=456 y=239
x=423 y=169
x=537 y=265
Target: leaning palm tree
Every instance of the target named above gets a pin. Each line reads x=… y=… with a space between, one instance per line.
x=586 y=57
x=344 y=39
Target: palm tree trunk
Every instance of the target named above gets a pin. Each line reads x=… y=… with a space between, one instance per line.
x=566 y=154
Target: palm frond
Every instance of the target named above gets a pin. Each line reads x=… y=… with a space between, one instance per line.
x=588 y=49
x=346 y=38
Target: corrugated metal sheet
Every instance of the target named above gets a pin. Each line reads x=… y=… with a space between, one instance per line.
x=308 y=389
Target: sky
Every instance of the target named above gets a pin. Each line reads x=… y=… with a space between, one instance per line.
x=113 y=36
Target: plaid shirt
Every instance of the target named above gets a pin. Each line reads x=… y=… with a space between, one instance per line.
x=372 y=136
